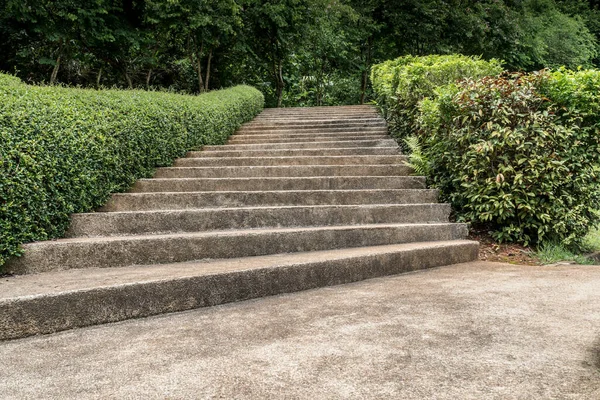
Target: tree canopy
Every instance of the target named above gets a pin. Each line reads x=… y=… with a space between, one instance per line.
x=298 y=52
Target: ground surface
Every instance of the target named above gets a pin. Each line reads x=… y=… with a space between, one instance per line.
x=470 y=331
x=490 y=250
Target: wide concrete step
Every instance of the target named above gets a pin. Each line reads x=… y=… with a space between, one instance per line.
x=191 y=200
x=283 y=171
x=332 y=111
x=283 y=129
x=315 y=117
x=120 y=251
x=225 y=151
x=289 y=161
x=307 y=135
x=249 y=139
x=56 y=301
x=267 y=113
x=364 y=120
x=198 y=220
x=305 y=145
x=278 y=183
x=315 y=124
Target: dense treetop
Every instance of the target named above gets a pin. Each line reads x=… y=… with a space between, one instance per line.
x=298 y=52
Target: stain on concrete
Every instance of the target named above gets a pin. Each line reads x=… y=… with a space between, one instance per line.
x=595 y=354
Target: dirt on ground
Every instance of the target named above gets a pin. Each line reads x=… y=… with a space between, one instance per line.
x=490 y=250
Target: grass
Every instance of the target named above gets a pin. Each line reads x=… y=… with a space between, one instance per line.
x=550 y=253
x=592 y=240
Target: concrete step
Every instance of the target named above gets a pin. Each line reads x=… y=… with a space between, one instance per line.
x=56 y=301
x=289 y=161
x=278 y=183
x=283 y=129
x=249 y=139
x=315 y=124
x=305 y=145
x=198 y=220
x=225 y=151
x=191 y=200
x=308 y=135
x=364 y=121
x=314 y=117
x=120 y=251
x=283 y=171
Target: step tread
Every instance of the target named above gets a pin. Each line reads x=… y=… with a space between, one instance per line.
x=311 y=166
x=232 y=233
x=415 y=177
x=54 y=283
x=331 y=151
x=324 y=143
x=291 y=207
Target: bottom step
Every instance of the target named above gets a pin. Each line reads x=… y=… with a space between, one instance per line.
x=56 y=301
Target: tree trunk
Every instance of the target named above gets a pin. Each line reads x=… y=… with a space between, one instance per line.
x=128 y=78
x=55 y=71
x=98 y=78
x=208 y=70
x=199 y=71
x=280 y=84
x=363 y=86
x=320 y=86
x=148 y=76
x=365 y=75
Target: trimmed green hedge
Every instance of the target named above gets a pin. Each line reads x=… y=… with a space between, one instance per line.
x=518 y=153
x=65 y=151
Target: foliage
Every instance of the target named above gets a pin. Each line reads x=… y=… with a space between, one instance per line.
x=591 y=242
x=527 y=163
x=298 y=52
x=553 y=39
x=402 y=83
x=417 y=159
x=64 y=151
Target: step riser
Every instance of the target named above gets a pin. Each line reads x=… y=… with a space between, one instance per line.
x=304 y=145
x=357 y=119
x=244 y=139
x=253 y=184
x=326 y=126
x=271 y=172
x=257 y=136
x=180 y=201
x=30 y=316
x=52 y=256
x=270 y=119
x=288 y=161
x=107 y=224
x=356 y=151
x=283 y=130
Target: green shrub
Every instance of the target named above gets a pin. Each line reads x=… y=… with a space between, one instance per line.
x=401 y=84
x=521 y=153
x=64 y=151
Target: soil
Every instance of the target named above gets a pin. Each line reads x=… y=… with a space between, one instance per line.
x=490 y=250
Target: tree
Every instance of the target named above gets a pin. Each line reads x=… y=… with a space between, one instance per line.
x=198 y=27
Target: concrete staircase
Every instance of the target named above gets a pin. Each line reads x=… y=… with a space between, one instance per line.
x=298 y=199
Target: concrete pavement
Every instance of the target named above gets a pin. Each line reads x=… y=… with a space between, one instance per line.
x=468 y=331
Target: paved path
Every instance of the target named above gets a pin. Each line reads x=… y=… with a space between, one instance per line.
x=469 y=331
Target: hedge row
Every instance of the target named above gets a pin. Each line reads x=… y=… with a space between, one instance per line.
x=65 y=151
x=519 y=153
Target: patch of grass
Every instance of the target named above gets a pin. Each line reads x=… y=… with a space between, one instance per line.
x=592 y=240
x=550 y=253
